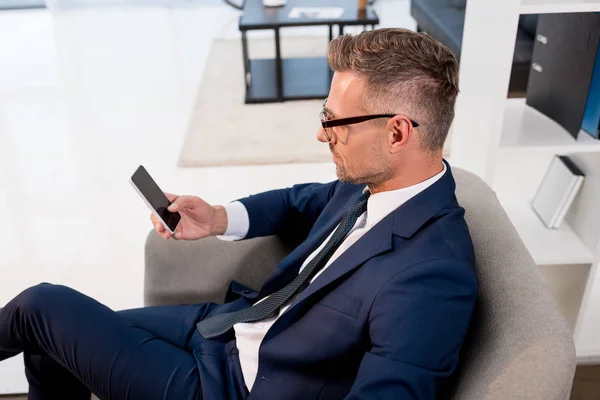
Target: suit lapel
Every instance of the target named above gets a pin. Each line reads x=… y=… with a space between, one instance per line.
x=286 y=271
x=374 y=242
x=404 y=221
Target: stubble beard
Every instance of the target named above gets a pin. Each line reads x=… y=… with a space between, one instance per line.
x=374 y=175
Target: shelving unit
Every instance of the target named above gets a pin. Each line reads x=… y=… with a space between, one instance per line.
x=510 y=145
x=547 y=246
x=525 y=128
x=558 y=6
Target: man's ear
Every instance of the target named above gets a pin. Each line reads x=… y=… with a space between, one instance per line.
x=400 y=132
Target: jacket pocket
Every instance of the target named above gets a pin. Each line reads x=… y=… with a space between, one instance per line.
x=237 y=290
x=342 y=303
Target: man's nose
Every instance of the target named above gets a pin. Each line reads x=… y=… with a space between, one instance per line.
x=321 y=136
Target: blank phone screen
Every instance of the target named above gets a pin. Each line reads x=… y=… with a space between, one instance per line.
x=157 y=199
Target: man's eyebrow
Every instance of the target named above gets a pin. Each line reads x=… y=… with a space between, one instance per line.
x=328 y=111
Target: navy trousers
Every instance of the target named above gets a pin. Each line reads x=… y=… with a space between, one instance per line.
x=73 y=345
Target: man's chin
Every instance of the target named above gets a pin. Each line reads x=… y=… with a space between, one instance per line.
x=343 y=176
x=340 y=173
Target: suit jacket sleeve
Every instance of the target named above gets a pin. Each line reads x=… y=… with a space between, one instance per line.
x=287 y=212
x=417 y=325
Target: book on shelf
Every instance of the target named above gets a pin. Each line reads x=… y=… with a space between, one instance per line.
x=591 y=115
x=557 y=191
x=564 y=53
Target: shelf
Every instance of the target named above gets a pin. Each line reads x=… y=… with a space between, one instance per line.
x=547 y=246
x=558 y=6
x=525 y=128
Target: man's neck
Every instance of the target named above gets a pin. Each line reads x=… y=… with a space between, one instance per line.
x=410 y=176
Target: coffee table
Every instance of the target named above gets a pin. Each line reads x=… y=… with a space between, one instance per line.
x=277 y=79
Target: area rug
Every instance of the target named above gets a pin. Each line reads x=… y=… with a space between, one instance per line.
x=224 y=131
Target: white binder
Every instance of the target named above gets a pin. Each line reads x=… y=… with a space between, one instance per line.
x=557 y=191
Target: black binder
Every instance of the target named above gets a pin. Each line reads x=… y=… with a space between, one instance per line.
x=562 y=65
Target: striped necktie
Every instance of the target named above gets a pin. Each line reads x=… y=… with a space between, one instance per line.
x=219 y=324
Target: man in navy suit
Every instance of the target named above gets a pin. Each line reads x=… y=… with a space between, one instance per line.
x=374 y=303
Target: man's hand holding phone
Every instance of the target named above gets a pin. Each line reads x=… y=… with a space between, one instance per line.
x=198 y=218
x=180 y=217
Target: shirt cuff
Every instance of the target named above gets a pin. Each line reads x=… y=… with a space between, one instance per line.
x=238 y=222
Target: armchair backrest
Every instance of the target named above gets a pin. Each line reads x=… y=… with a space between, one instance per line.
x=519 y=346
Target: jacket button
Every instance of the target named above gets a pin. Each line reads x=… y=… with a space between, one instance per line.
x=246 y=291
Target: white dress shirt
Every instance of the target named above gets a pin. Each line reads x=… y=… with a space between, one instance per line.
x=250 y=335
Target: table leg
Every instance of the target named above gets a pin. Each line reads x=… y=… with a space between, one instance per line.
x=278 y=65
x=341 y=29
x=247 y=75
x=330 y=33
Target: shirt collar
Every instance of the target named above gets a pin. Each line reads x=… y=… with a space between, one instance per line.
x=381 y=204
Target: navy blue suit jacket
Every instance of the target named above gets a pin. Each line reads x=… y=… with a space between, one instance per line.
x=387 y=319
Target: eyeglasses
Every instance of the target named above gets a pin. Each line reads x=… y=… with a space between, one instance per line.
x=328 y=124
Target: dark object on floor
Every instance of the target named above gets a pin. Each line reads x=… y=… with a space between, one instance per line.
x=444 y=20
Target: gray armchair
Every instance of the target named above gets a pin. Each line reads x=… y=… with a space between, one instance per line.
x=519 y=346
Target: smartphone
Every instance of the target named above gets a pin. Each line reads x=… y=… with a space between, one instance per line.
x=155 y=199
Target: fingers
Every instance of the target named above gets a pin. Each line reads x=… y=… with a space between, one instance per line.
x=159 y=227
x=164 y=233
x=157 y=224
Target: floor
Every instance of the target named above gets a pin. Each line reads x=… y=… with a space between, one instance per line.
x=586 y=385
x=87 y=94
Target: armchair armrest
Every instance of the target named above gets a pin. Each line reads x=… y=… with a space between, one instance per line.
x=190 y=272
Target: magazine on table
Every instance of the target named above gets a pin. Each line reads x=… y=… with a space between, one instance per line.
x=316 y=12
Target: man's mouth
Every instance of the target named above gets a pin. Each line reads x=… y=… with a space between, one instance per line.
x=333 y=152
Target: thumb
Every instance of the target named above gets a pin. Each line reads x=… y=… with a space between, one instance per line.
x=179 y=204
x=171 y=197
